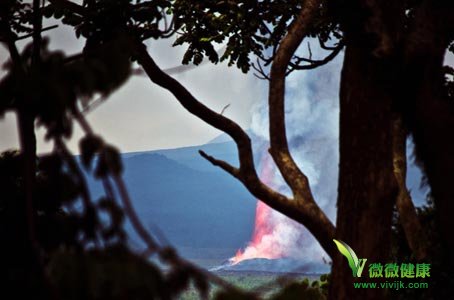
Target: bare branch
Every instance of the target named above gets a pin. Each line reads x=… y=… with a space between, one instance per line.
x=135 y=221
x=73 y=166
x=310 y=50
x=37 y=28
x=308 y=214
x=260 y=71
x=235 y=172
x=279 y=149
x=195 y=107
x=315 y=219
x=93 y=104
x=123 y=192
x=225 y=108
x=324 y=46
x=82 y=122
x=266 y=60
x=312 y=64
x=152 y=245
x=31 y=34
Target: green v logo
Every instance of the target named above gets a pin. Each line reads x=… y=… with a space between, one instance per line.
x=357 y=265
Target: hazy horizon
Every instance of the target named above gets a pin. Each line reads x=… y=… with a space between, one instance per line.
x=140 y=115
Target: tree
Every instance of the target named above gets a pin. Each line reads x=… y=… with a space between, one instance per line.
x=392 y=74
x=393 y=71
x=58 y=242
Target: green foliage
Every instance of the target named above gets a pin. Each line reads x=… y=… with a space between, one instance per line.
x=15 y=15
x=317 y=290
x=53 y=89
x=86 y=252
x=100 y=20
x=67 y=244
x=247 y=27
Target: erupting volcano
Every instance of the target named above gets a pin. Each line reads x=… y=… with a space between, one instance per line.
x=263 y=243
x=260 y=245
x=312 y=120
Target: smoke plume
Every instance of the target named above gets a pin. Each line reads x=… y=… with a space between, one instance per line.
x=312 y=117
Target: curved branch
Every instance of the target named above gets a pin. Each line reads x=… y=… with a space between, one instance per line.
x=318 y=223
x=261 y=74
x=152 y=245
x=324 y=46
x=305 y=212
x=75 y=169
x=133 y=217
x=279 y=148
x=71 y=6
x=312 y=64
x=195 y=107
x=308 y=214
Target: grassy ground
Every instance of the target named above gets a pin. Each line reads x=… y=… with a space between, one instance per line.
x=261 y=283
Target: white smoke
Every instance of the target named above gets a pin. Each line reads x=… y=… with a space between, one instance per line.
x=312 y=119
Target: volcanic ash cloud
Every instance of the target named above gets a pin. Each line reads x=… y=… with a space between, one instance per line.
x=312 y=118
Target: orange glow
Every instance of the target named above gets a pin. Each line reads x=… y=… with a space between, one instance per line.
x=261 y=244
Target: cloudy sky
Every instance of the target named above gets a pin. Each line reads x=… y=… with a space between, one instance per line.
x=143 y=116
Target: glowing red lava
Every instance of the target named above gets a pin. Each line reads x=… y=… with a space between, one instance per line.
x=261 y=245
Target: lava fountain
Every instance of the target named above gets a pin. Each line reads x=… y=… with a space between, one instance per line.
x=261 y=244
x=312 y=129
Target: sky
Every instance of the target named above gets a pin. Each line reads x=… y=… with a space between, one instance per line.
x=142 y=116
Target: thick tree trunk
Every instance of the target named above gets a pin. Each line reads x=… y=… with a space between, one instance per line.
x=367 y=186
x=405 y=207
x=430 y=117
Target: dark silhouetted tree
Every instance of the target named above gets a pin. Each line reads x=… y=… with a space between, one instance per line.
x=393 y=83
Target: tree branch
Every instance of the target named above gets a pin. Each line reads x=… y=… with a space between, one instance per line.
x=31 y=34
x=259 y=69
x=426 y=108
x=279 y=149
x=37 y=27
x=308 y=214
x=407 y=212
x=74 y=168
x=324 y=46
x=133 y=217
x=152 y=245
x=313 y=64
x=316 y=221
x=71 y=6
x=235 y=172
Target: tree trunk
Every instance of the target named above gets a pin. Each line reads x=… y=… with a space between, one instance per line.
x=367 y=186
x=407 y=213
x=429 y=114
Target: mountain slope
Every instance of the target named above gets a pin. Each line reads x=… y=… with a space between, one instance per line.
x=194 y=209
